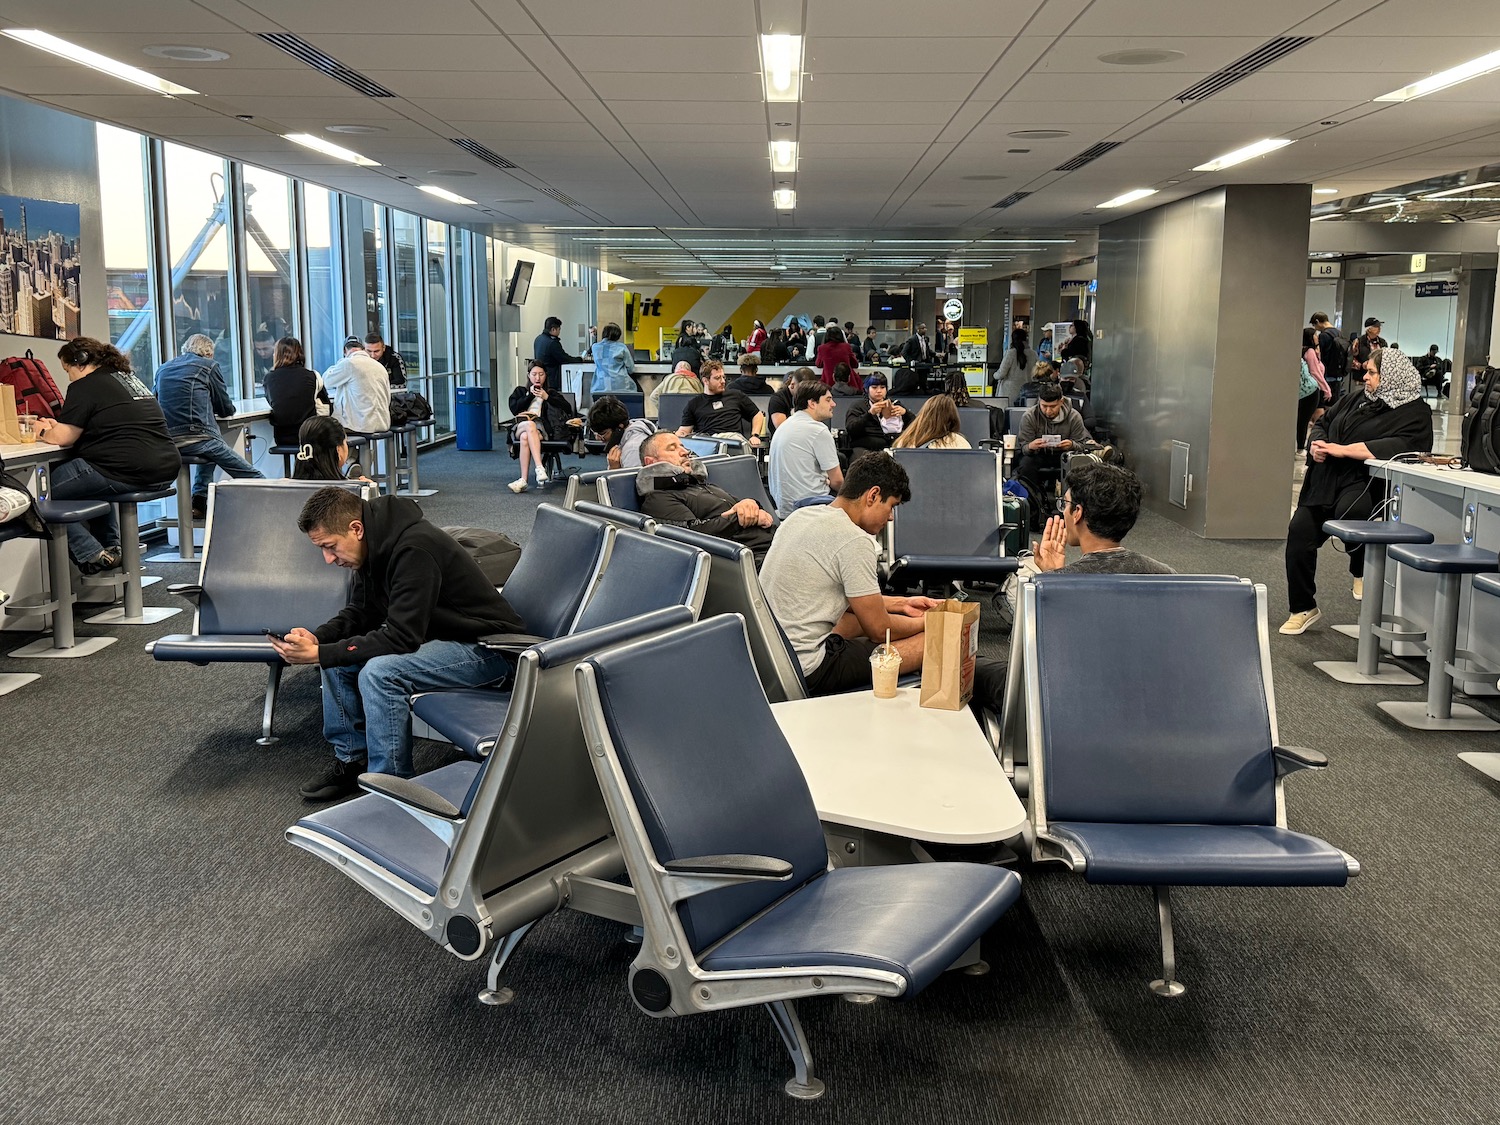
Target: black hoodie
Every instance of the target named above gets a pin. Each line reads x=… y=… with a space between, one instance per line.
x=416 y=585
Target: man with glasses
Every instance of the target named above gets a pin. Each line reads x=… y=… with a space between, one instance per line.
x=1099 y=506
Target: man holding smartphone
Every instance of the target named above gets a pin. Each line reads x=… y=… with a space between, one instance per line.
x=419 y=606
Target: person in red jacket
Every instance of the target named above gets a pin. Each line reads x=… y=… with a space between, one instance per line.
x=833 y=351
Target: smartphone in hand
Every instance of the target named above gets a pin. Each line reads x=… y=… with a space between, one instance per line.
x=276 y=636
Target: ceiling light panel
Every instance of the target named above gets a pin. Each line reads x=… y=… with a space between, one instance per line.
x=95 y=61
x=785 y=199
x=1461 y=190
x=1474 y=68
x=1128 y=197
x=328 y=148
x=444 y=193
x=1240 y=155
x=783 y=156
x=781 y=67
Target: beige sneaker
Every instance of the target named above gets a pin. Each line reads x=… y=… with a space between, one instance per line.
x=517 y=486
x=1299 y=623
x=1359 y=589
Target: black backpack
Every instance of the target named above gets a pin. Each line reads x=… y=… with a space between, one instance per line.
x=408 y=407
x=1480 y=444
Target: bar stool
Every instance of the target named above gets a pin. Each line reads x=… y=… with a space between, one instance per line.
x=58 y=605
x=1450 y=562
x=357 y=442
x=1374 y=625
x=186 y=547
x=134 y=611
x=414 y=484
x=287 y=452
x=385 y=444
x=1487 y=763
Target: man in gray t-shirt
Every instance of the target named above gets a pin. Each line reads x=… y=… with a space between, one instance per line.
x=804 y=461
x=1099 y=507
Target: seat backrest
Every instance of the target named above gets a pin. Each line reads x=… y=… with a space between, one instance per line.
x=258 y=571
x=1014 y=416
x=954 y=507
x=617 y=490
x=974 y=424
x=734 y=587
x=620 y=517
x=560 y=564
x=1172 y=723
x=535 y=800
x=740 y=477
x=841 y=405
x=633 y=401
x=669 y=406
x=710 y=775
x=701 y=446
x=643 y=574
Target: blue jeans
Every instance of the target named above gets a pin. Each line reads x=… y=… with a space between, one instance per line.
x=366 y=713
x=222 y=457
x=76 y=479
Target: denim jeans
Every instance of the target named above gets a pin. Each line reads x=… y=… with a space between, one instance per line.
x=365 y=707
x=76 y=479
x=221 y=456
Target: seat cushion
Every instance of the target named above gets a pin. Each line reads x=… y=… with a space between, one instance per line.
x=1376 y=531
x=913 y=919
x=71 y=511
x=379 y=830
x=1204 y=855
x=1446 y=558
x=470 y=718
x=216 y=648
x=143 y=495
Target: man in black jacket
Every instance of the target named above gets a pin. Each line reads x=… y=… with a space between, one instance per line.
x=1331 y=351
x=548 y=353
x=673 y=489
x=418 y=608
x=389 y=358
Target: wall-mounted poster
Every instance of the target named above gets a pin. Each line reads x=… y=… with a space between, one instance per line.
x=39 y=268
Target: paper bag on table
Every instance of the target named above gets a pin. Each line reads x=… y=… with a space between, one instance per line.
x=952 y=643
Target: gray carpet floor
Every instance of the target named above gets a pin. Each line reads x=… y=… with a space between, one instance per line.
x=167 y=957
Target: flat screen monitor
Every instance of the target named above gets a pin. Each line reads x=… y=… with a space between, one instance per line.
x=520 y=283
x=890 y=306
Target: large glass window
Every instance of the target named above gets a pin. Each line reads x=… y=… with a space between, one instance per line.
x=367 y=270
x=270 y=291
x=406 y=297
x=464 y=305
x=325 y=279
x=127 y=248
x=198 y=246
x=437 y=297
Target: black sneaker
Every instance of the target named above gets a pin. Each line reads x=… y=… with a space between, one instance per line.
x=340 y=780
x=107 y=559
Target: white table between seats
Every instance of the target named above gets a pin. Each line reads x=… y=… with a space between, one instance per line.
x=888 y=774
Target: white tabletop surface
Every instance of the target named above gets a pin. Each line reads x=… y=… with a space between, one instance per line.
x=31 y=453
x=891 y=765
x=1464 y=478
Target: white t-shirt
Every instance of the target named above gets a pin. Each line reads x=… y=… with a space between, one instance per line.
x=818 y=561
x=802 y=452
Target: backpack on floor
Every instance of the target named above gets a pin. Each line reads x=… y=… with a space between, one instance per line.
x=36 y=393
x=1480 y=443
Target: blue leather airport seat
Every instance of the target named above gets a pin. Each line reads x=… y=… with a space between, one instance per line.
x=474 y=853
x=617 y=489
x=740 y=477
x=727 y=858
x=559 y=565
x=1168 y=772
x=258 y=573
x=701 y=445
x=974 y=424
x=952 y=528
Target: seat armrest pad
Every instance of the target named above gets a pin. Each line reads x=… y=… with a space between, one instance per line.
x=189 y=590
x=408 y=792
x=1290 y=759
x=511 y=642
x=749 y=866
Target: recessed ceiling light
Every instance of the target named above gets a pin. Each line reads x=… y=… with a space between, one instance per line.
x=1240 y=155
x=1141 y=56
x=446 y=172
x=352 y=130
x=1327 y=122
x=1474 y=68
x=95 y=61
x=784 y=156
x=186 y=54
x=1325 y=191
x=1461 y=190
x=781 y=67
x=444 y=193
x=1128 y=197
x=328 y=148
x=785 y=199
x=1039 y=134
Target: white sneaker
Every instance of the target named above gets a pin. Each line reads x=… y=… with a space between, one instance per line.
x=541 y=477
x=517 y=486
x=1359 y=589
x=1299 y=623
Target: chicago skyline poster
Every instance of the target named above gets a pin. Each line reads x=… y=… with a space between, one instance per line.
x=39 y=268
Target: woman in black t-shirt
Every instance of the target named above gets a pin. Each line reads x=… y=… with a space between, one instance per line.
x=113 y=424
x=294 y=391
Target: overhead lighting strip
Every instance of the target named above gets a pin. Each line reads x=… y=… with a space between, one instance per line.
x=42 y=41
x=1240 y=155
x=1463 y=72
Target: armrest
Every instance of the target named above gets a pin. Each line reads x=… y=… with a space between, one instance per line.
x=748 y=866
x=408 y=792
x=189 y=590
x=513 y=643
x=1290 y=759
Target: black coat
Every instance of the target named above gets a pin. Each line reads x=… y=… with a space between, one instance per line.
x=555 y=412
x=862 y=430
x=1354 y=419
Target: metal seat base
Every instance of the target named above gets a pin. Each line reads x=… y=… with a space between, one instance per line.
x=11 y=681
x=1347 y=630
x=43 y=648
x=119 y=615
x=1347 y=672
x=1487 y=764
x=1415 y=715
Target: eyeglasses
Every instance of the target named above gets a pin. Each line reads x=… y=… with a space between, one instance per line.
x=1062 y=505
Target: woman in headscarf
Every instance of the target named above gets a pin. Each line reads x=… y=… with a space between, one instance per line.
x=1388 y=419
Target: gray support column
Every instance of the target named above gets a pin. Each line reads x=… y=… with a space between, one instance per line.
x=1046 y=299
x=997 y=315
x=1494 y=350
x=924 y=308
x=1350 y=293
x=1198 y=406
x=1473 y=327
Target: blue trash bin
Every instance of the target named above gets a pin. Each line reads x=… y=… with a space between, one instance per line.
x=474 y=430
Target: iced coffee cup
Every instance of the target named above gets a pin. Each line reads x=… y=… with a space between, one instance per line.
x=26 y=424
x=885 y=669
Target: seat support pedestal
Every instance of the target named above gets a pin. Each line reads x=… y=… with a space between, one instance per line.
x=1440 y=712
x=803 y=1084
x=1366 y=667
x=495 y=993
x=10 y=681
x=273 y=685
x=134 y=611
x=1168 y=985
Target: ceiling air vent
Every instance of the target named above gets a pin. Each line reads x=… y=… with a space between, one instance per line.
x=559 y=196
x=474 y=148
x=1088 y=156
x=1262 y=56
x=1011 y=200
x=303 y=50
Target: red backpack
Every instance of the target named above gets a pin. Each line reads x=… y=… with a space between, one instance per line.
x=36 y=393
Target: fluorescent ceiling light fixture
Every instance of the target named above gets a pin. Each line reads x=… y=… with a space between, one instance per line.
x=781 y=66
x=1240 y=155
x=1474 y=68
x=784 y=198
x=73 y=53
x=1129 y=197
x=1325 y=191
x=328 y=148
x=784 y=156
x=1462 y=190
x=1026 y=241
x=1378 y=206
x=444 y=193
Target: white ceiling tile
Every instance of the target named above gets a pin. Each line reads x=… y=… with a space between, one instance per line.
x=666 y=19
x=687 y=112
x=665 y=87
x=643 y=54
x=857 y=114
x=500 y=109
x=879 y=89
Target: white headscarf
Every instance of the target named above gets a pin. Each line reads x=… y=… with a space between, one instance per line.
x=1399 y=381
